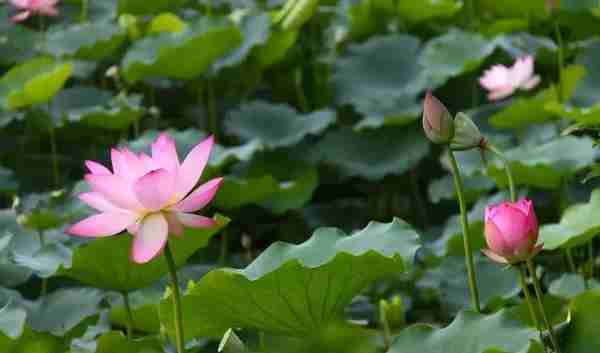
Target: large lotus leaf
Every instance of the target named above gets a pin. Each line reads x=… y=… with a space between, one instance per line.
x=32 y=82
x=17 y=43
x=12 y=319
x=387 y=110
x=569 y=285
x=274 y=180
x=423 y=10
x=106 y=262
x=470 y=332
x=533 y=9
x=276 y=125
x=373 y=154
x=142 y=7
x=89 y=41
x=32 y=342
x=580 y=336
x=63 y=309
x=578 y=224
x=588 y=91
x=182 y=55
x=588 y=116
x=275 y=48
x=256 y=31
x=220 y=157
x=97 y=108
x=362 y=74
x=452 y=54
x=295 y=289
x=545 y=165
x=494 y=282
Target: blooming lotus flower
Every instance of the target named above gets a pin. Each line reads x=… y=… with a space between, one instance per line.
x=150 y=196
x=29 y=7
x=511 y=232
x=502 y=81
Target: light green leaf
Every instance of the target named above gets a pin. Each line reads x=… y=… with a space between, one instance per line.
x=97 y=108
x=89 y=41
x=166 y=22
x=585 y=314
x=523 y=111
x=545 y=165
x=424 y=10
x=12 y=319
x=33 y=82
x=105 y=262
x=183 y=55
x=142 y=7
x=470 y=332
x=577 y=225
x=372 y=154
x=276 y=125
x=569 y=285
x=295 y=289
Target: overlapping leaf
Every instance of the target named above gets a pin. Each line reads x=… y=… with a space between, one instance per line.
x=90 y=41
x=296 y=289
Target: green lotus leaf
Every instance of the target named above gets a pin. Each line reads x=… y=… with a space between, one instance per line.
x=88 y=41
x=33 y=82
x=183 y=55
x=295 y=290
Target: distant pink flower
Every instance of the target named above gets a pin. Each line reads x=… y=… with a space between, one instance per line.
x=511 y=232
x=502 y=81
x=149 y=196
x=30 y=7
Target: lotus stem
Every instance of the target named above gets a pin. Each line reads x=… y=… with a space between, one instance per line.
x=129 y=315
x=523 y=277
x=178 y=314
x=538 y=293
x=507 y=170
x=464 y=222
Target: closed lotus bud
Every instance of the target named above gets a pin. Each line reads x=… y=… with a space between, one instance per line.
x=511 y=232
x=466 y=134
x=437 y=121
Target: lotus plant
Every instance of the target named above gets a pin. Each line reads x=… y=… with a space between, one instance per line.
x=511 y=233
x=501 y=81
x=31 y=7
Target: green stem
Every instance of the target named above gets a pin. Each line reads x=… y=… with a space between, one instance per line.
x=224 y=248
x=570 y=261
x=464 y=222
x=591 y=259
x=560 y=59
x=387 y=332
x=53 y=150
x=44 y=287
x=211 y=109
x=302 y=100
x=523 y=273
x=538 y=293
x=84 y=11
x=509 y=175
x=176 y=300
x=129 y=315
x=261 y=341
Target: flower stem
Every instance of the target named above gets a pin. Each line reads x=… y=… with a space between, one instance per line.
x=387 y=332
x=509 y=175
x=84 y=11
x=129 y=315
x=464 y=222
x=211 y=109
x=523 y=276
x=591 y=259
x=560 y=59
x=570 y=260
x=538 y=293
x=176 y=300
x=53 y=150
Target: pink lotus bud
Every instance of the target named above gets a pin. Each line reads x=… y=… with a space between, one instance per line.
x=437 y=121
x=511 y=232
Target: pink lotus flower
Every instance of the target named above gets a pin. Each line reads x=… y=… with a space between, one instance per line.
x=149 y=196
x=511 y=232
x=29 y=7
x=502 y=81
